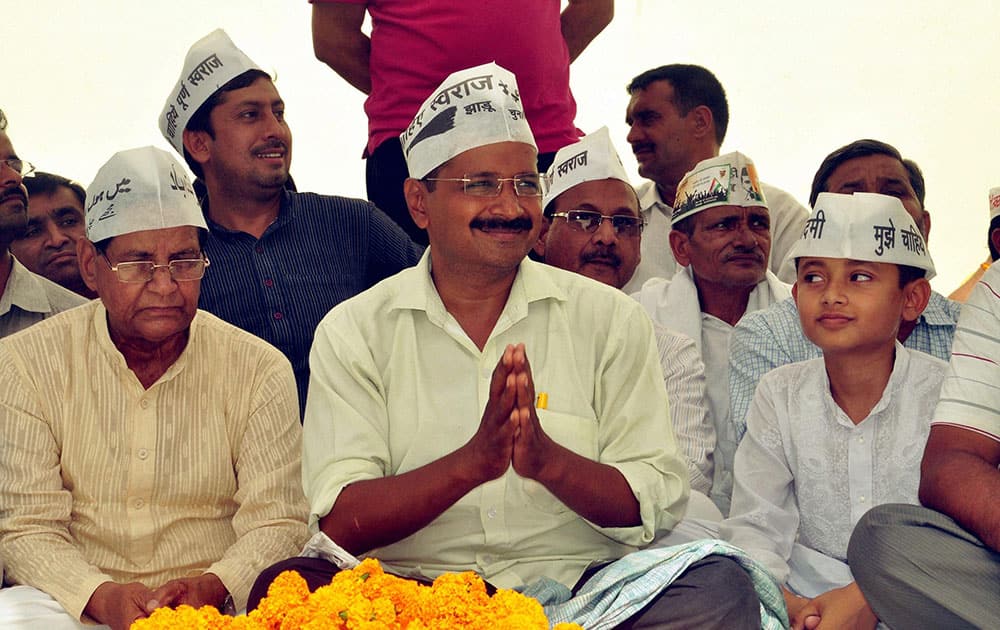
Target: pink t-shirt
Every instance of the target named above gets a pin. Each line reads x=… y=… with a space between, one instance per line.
x=416 y=44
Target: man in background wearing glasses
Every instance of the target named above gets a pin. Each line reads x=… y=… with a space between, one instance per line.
x=431 y=444
x=592 y=226
x=151 y=450
x=721 y=238
x=25 y=298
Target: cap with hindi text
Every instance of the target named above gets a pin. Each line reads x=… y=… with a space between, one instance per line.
x=726 y=180
x=593 y=158
x=212 y=61
x=140 y=189
x=471 y=108
x=863 y=226
x=994 y=202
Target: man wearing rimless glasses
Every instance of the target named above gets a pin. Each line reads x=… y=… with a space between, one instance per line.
x=592 y=227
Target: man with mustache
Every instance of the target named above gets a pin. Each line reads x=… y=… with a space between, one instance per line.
x=721 y=238
x=592 y=226
x=25 y=298
x=55 y=223
x=677 y=116
x=430 y=441
x=281 y=259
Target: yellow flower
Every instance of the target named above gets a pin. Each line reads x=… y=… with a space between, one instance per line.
x=367 y=598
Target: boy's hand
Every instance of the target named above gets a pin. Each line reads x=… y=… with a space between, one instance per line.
x=793 y=603
x=488 y=453
x=533 y=449
x=842 y=608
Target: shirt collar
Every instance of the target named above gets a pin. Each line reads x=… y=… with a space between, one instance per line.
x=649 y=198
x=532 y=283
x=107 y=346
x=941 y=311
x=286 y=213
x=24 y=290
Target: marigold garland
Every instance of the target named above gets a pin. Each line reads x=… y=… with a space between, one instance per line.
x=366 y=598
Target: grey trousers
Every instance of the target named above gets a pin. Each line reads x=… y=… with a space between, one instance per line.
x=920 y=569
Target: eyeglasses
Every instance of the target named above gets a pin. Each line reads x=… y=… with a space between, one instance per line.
x=19 y=166
x=492 y=186
x=589 y=221
x=181 y=270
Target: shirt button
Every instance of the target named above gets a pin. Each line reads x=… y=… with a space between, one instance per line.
x=268 y=283
x=861 y=439
x=492 y=512
x=488 y=559
x=861 y=499
x=142 y=453
x=138 y=504
x=278 y=315
x=259 y=249
x=144 y=403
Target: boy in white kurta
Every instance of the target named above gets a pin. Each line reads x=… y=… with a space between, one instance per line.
x=829 y=438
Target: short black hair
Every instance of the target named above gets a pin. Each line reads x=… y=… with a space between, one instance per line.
x=693 y=86
x=201 y=119
x=864 y=148
x=42 y=183
x=994 y=225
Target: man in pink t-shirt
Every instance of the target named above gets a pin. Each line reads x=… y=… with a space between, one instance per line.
x=415 y=44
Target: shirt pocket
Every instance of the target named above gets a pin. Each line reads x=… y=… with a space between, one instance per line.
x=578 y=434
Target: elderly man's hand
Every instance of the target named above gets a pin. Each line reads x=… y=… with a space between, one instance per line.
x=204 y=590
x=118 y=605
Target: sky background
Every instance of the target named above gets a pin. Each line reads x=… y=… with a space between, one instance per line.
x=83 y=80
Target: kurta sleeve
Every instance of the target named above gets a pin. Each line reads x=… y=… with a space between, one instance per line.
x=35 y=507
x=684 y=377
x=270 y=520
x=764 y=517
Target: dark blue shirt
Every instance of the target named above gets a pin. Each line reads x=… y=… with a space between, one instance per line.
x=320 y=251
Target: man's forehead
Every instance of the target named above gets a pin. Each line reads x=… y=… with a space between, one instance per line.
x=719 y=213
x=6 y=148
x=882 y=167
x=599 y=195
x=501 y=158
x=175 y=239
x=261 y=91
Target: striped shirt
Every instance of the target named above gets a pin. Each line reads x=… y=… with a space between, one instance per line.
x=773 y=337
x=102 y=480
x=320 y=251
x=970 y=395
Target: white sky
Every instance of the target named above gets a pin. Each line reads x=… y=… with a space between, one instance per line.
x=83 y=80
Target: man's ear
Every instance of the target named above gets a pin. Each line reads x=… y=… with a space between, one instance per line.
x=86 y=255
x=795 y=293
x=539 y=247
x=415 y=192
x=702 y=121
x=916 y=295
x=679 y=247
x=198 y=145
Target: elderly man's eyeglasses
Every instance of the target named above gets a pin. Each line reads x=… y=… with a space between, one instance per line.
x=491 y=186
x=589 y=221
x=19 y=166
x=181 y=270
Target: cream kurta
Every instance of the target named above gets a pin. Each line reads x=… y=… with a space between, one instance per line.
x=396 y=383
x=103 y=480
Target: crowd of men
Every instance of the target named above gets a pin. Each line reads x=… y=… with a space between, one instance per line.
x=749 y=414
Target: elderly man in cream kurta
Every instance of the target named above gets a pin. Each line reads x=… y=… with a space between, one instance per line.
x=721 y=237
x=151 y=451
